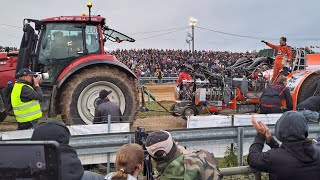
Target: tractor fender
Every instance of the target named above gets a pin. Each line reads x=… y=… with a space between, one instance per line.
x=80 y=64
x=295 y=81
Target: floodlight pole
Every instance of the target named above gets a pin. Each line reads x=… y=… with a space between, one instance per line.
x=192 y=23
x=192 y=27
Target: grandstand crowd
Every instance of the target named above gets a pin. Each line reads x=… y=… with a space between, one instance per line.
x=146 y=62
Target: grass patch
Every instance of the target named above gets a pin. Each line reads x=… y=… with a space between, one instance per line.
x=10 y=119
x=155 y=109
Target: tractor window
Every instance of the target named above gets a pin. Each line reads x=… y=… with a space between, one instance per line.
x=60 y=41
x=92 y=39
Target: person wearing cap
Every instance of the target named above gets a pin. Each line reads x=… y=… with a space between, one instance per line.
x=271 y=98
x=25 y=97
x=105 y=108
x=297 y=158
x=174 y=162
x=70 y=165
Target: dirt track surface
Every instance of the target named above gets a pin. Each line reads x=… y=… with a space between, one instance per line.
x=160 y=123
x=162 y=92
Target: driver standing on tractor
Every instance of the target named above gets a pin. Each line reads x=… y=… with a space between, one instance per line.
x=283 y=58
x=25 y=98
x=271 y=98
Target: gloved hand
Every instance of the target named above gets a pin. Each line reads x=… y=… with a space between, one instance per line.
x=263 y=41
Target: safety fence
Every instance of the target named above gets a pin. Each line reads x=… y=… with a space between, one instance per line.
x=100 y=148
x=154 y=79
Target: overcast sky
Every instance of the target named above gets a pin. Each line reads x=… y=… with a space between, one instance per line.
x=297 y=20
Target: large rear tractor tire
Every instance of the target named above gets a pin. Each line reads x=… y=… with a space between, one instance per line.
x=308 y=87
x=80 y=94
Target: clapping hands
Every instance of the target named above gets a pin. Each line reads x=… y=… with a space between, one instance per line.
x=261 y=128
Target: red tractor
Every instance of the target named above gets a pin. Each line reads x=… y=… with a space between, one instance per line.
x=71 y=50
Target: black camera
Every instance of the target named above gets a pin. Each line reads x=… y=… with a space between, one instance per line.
x=140 y=138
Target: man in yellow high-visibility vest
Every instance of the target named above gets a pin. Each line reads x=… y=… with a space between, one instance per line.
x=25 y=98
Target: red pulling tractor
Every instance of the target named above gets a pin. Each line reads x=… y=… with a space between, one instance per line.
x=239 y=87
x=71 y=50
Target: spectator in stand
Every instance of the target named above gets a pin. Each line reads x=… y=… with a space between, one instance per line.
x=310 y=108
x=71 y=167
x=271 y=98
x=160 y=75
x=297 y=158
x=138 y=74
x=170 y=60
x=129 y=163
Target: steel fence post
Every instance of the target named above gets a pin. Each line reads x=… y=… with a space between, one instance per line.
x=240 y=146
x=108 y=155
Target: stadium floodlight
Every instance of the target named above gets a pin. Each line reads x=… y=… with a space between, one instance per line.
x=192 y=21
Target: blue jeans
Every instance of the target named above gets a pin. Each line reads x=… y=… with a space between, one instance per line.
x=311 y=116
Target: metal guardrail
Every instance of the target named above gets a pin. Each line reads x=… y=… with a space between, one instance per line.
x=154 y=79
x=241 y=170
x=104 y=144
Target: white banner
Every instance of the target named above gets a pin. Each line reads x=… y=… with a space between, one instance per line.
x=208 y=121
x=245 y=120
x=224 y=121
x=74 y=130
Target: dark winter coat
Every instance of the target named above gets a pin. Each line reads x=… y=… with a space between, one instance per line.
x=297 y=158
x=312 y=103
x=274 y=94
x=104 y=109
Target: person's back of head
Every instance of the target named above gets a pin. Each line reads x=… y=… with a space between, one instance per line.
x=161 y=146
x=51 y=130
x=282 y=79
x=129 y=161
x=54 y=130
x=291 y=127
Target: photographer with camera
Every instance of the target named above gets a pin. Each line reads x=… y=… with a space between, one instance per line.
x=129 y=163
x=25 y=98
x=174 y=162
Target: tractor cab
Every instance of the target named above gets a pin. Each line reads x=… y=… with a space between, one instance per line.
x=61 y=40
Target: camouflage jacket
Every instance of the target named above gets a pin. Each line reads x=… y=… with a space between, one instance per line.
x=198 y=165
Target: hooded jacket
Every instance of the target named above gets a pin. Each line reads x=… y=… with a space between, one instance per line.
x=297 y=158
x=71 y=167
